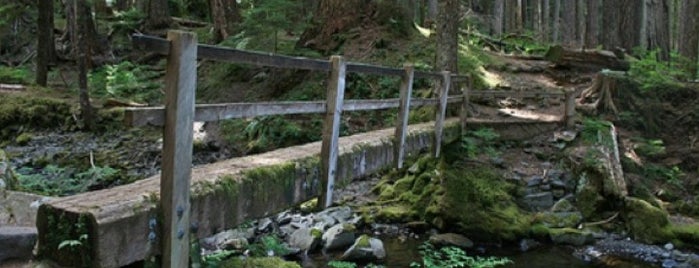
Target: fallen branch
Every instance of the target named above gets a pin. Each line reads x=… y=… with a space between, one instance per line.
x=608 y=220
x=189 y=23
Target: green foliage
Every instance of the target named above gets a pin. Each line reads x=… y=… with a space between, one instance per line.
x=648 y=147
x=126 y=81
x=595 y=132
x=671 y=175
x=655 y=74
x=453 y=257
x=61 y=181
x=477 y=141
x=268 y=245
x=264 y=23
x=342 y=264
x=14 y=75
x=73 y=243
x=128 y=20
x=215 y=259
x=268 y=132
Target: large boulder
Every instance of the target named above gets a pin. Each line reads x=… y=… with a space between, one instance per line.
x=305 y=239
x=339 y=236
x=365 y=249
x=645 y=222
x=570 y=236
x=17 y=242
x=451 y=239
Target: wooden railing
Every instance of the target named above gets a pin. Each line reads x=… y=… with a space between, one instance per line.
x=180 y=111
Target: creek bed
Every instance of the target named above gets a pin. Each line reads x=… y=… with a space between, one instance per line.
x=401 y=254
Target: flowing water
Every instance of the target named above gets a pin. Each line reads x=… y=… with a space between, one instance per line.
x=402 y=253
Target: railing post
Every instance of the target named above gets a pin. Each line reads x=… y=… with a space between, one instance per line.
x=465 y=105
x=569 y=113
x=331 y=130
x=180 y=84
x=406 y=91
x=441 y=112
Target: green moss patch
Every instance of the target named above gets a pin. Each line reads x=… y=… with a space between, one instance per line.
x=265 y=262
x=647 y=224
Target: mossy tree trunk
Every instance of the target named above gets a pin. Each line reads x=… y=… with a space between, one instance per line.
x=225 y=14
x=80 y=24
x=45 y=46
x=447 y=36
x=158 y=15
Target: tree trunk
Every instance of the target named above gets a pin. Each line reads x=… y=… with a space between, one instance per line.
x=82 y=12
x=657 y=27
x=432 y=12
x=611 y=21
x=330 y=18
x=511 y=16
x=498 y=17
x=158 y=15
x=80 y=25
x=592 y=23
x=225 y=15
x=629 y=24
x=447 y=36
x=568 y=23
x=45 y=45
x=556 y=21
x=546 y=20
x=689 y=33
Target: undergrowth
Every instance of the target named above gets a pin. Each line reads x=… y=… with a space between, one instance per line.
x=53 y=180
x=454 y=257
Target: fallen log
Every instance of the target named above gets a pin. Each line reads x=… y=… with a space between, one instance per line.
x=12 y=87
x=586 y=59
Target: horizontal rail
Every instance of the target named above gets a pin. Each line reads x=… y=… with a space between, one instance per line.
x=373 y=69
x=162 y=46
x=140 y=116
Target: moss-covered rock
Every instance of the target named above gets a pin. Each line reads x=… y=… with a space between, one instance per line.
x=479 y=202
x=588 y=198
x=265 y=262
x=8 y=180
x=687 y=233
x=646 y=223
x=560 y=219
x=26 y=111
x=570 y=236
x=395 y=214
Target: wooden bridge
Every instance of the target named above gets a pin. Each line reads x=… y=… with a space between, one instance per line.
x=155 y=216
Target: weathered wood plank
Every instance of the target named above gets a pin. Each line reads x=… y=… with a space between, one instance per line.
x=569 y=112
x=423 y=102
x=441 y=112
x=463 y=113
x=180 y=85
x=354 y=67
x=406 y=89
x=331 y=130
x=429 y=75
x=141 y=116
x=223 y=54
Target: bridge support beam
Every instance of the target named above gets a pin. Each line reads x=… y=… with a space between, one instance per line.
x=406 y=91
x=441 y=112
x=180 y=86
x=331 y=130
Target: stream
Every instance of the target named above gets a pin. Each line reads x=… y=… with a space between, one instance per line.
x=401 y=254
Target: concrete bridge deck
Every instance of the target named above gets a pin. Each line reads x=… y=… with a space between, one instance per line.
x=121 y=223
